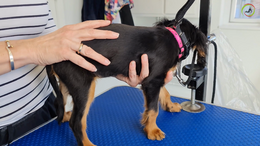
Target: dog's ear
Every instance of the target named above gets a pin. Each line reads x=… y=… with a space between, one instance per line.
x=201 y=46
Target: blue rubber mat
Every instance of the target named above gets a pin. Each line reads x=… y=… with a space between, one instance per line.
x=114 y=117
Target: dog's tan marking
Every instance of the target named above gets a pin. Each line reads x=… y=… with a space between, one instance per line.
x=201 y=53
x=151 y=128
x=52 y=73
x=85 y=140
x=194 y=47
x=166 y=103
x=66 y=116
x=173 y=68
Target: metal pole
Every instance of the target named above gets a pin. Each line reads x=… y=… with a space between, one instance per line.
x=192 y=106
x=193 y=94
x=205 y=16
x=204 y=25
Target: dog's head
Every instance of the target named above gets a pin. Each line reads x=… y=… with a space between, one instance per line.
x=196 y=38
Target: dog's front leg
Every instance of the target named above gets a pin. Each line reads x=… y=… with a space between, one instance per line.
x=166 y=103
x=151 y=95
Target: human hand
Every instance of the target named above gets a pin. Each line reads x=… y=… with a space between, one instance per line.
x=133 y=80
x=168 y=77
x=63 y=44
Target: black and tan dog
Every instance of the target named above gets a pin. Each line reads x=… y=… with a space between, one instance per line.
x=162 y=49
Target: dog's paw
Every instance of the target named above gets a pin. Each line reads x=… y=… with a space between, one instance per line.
x=173 y=107
x=89 y=145
x=155 y=134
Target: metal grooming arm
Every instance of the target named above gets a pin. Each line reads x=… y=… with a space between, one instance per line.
x=198 y=82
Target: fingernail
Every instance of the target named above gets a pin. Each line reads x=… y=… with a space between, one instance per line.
x=132 y=64
x=107 y=62
x=116 y=34
x=145 y=56
x=94 y=69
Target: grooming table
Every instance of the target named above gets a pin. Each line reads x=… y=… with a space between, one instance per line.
x=114 y=117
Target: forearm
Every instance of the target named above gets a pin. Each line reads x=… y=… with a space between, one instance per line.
x=19 y=52
x=58 y=46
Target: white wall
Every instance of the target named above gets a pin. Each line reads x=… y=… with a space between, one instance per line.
x=72 y=11
x=66 y=12
x=245 y=40
x=247 y=45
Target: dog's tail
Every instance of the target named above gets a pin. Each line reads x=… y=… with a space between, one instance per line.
x=59 y=99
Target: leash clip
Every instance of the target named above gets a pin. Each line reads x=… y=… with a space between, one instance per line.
x=178 y=75
x=178 y=70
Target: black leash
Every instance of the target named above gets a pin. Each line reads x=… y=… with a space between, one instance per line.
x=178 y=20
x=176 y=25
x=177 y=73
x=215 y=72
x=180 y=14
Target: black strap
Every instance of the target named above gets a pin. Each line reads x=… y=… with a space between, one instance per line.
x=185 y=42
x=180 y=14
x=191 y=68
x=178 y=20
x=126 y=15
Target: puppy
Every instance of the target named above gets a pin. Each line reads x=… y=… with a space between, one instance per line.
x=162 y=49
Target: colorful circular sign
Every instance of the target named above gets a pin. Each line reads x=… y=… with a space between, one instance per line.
x=248 y=10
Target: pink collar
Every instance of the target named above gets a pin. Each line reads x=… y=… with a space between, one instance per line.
x=178 y=39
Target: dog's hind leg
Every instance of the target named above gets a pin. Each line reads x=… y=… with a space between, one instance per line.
x=82 y=99
x=151 y=94
x=65 y=94
x=53 y=77
x=166 y=103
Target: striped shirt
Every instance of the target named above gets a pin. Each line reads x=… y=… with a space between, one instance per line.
x=25 y=89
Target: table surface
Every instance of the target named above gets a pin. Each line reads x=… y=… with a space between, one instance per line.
x=114 y=117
